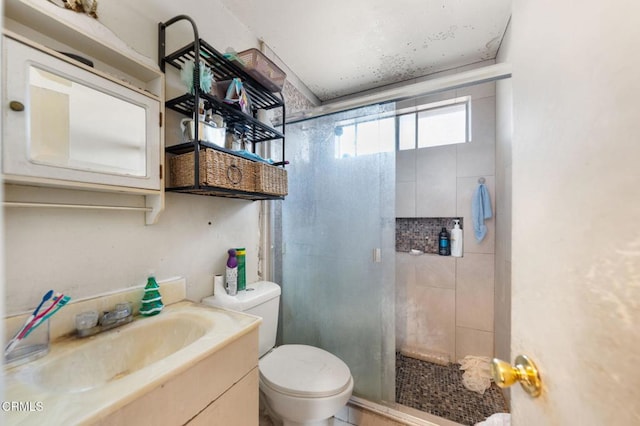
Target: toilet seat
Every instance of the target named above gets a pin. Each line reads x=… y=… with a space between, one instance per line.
x=304 y=371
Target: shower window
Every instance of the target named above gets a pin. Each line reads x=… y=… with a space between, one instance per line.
x=407 y=131
x=435 y=124
x=372 y=136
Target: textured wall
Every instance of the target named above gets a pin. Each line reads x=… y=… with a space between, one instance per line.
x=84 y=253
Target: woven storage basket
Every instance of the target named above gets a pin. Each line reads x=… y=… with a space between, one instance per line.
x=270 y=180
x=216 y=169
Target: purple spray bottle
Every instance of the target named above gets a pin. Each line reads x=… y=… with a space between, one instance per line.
x=232 y=273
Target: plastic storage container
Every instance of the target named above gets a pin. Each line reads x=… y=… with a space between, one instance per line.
x=262 y=69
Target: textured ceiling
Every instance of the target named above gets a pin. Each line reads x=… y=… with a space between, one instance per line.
x=341 y=47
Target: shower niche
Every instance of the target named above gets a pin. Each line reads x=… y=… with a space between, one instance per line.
x=421 y=233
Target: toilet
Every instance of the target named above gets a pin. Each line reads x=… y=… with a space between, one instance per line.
x=299 y=384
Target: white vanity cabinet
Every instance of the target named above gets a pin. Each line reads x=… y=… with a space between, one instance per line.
x=67 y=124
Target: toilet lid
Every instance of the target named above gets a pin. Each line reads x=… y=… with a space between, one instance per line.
x=301 y=370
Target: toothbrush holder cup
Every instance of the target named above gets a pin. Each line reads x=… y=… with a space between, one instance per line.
x=32 y=347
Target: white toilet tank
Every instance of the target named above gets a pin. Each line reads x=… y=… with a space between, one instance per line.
x=262 y=299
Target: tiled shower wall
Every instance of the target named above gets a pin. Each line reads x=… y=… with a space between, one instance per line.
x=446 y=304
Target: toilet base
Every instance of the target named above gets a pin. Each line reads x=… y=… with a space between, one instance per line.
x=285 y=410
x=319 y=423
x=277 y=421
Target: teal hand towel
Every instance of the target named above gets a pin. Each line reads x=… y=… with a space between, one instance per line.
x=480 y=210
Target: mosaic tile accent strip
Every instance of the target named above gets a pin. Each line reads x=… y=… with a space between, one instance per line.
x=421 y=233
x=295 y=101
x=438 y=390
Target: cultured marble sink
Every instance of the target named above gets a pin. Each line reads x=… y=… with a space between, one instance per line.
x=85 y=379
x=98 y=361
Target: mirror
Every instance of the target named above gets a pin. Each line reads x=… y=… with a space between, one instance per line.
x=78 y=127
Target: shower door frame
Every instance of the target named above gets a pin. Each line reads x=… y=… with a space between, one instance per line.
x=379 y=257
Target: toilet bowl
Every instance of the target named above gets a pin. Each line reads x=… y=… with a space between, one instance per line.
x=299 y=384
x=303 y=385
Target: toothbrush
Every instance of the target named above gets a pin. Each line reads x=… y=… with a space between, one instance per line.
x=56 y=299
x=46 y=297
x=63 y=301
x=59 y=301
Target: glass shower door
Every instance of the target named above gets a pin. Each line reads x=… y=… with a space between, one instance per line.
x=338 y=262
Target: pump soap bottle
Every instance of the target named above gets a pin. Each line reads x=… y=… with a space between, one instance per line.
x=444 y=249
x=456 y=239
x=232 y=273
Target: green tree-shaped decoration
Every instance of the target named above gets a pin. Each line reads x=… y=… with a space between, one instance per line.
x=152 y=299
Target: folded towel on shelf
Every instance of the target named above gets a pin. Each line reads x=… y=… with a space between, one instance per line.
x=251 y=156
x=480 y=210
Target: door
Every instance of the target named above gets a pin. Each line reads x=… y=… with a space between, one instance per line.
x=576 y=210
x=338 y=225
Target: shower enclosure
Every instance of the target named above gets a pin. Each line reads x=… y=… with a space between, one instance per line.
x=337 y=267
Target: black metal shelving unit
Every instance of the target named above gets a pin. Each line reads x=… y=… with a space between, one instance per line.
x=254 y=131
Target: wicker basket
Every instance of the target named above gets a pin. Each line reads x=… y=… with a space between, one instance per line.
x=216 y=169
x=270 y=180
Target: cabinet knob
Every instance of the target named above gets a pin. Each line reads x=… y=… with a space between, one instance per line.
x=16 y=106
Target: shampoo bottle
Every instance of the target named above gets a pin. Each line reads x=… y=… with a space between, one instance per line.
x=444 y=249
x=456 y=239
x=232 y=273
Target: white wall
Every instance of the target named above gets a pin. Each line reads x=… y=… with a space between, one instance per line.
x=445 y=305
x=136 y=22
x=84 y=253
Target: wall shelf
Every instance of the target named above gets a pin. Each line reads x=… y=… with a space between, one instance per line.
x=252 y=129
x=222 y=69
x=227 y=193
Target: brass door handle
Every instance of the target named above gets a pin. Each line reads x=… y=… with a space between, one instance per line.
x=524 y=371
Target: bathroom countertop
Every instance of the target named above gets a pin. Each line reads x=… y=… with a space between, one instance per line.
x=75 y=382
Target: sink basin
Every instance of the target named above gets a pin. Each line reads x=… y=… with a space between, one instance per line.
x=84 y=380
x=121 y=352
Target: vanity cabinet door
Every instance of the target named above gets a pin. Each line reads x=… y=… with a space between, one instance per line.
x=68 y=125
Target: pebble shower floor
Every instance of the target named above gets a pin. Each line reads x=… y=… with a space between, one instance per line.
x=438 y=390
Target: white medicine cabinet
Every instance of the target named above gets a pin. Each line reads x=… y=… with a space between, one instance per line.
x=66 y=123
x=69 y=125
